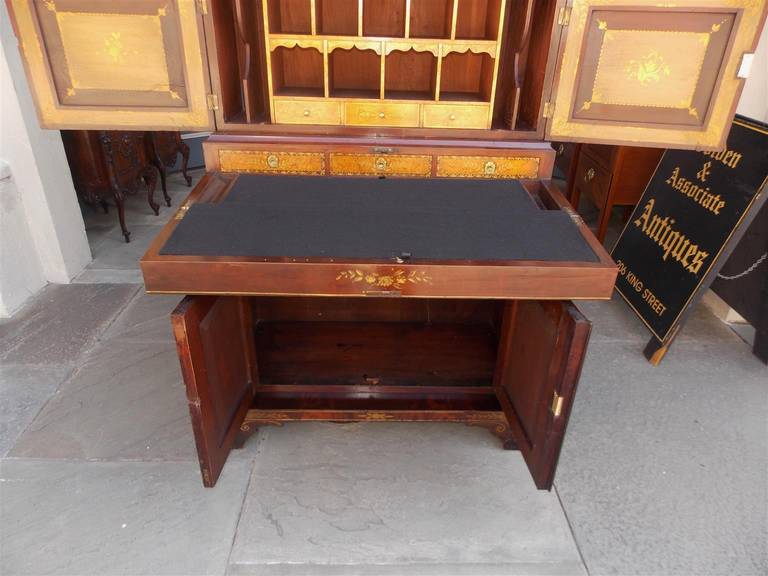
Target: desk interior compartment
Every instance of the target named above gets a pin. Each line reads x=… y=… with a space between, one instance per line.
x=263 y=359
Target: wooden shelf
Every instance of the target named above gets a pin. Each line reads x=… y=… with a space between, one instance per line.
x=411 y=53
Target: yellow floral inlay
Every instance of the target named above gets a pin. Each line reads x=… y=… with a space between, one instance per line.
x=649 y=69
x=114 y=46
x=396 y=278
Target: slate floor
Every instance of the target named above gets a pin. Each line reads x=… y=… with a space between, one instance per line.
x=664 y=470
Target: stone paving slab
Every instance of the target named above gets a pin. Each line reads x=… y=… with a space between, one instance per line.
x=126 y=402
x=397 y=498
x=663 y=470
x=24 y=389
x=61 y=323
x=146 y=319
x=112 y=518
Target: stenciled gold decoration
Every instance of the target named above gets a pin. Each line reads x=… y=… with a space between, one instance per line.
x=715 y=121
x=395 y=279
x=89 y=50
x=648 y=69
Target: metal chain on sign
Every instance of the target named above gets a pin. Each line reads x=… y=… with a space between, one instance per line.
x=747 y=271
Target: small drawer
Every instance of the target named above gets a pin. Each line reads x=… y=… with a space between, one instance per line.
x=307 y=112
x=487 y=167
x=592 y=179
x=272 y=162
x=455 y=116
x=380 y=164
x=382 y=114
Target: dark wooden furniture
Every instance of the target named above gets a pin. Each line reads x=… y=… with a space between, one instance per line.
x=474 y=330
x=110 y=164
x=164 y=148
x=451 y=89
x=610 y=176
x=743 y=281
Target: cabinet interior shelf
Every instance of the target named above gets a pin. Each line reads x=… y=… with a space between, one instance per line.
x=393 y=52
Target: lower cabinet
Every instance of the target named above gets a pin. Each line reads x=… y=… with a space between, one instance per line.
x=508 y=365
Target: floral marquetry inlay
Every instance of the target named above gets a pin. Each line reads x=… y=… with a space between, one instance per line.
x=395 y=279
x=649 y=69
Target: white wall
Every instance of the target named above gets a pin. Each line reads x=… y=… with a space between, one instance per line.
x=754 y=99
x=39 y=188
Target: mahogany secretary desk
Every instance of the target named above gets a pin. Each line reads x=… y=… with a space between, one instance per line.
x=304 y=299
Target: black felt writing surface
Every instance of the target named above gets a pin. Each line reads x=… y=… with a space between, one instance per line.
x=315 y=217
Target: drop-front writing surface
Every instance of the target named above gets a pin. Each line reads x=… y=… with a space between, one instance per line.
x=589 y=70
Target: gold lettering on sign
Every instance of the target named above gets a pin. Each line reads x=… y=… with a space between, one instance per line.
x=671 y=241
x=729 y=158
x=702 y=196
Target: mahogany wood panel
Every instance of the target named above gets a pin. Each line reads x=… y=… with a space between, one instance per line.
x=386 y=353
x=539 y=362
x=214 y=339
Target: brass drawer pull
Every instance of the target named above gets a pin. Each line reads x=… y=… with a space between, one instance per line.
x=452 y=117
x=380 y=164
x=381 y=115
x=589 y=175
x=272 y=161
x=490 y=167
x=306 y=112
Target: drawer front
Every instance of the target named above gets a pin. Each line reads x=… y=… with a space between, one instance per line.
x=382 y=114
x=592 y=179
x=455 y=116
x=306 y=112
x=487 y=167
x=380 y=164
x=272 y=162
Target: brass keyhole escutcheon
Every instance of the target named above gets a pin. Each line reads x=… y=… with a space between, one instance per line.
x=490 y=167
x=272 y=161
x=560 y=149
x=589 y=175
x=380 y=164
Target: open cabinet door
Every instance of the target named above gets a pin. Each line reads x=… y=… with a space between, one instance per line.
x=651 y=74
x=214 y=338
x=124 y=64
x=540 y=356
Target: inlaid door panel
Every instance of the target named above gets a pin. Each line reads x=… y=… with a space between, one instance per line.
x=656 y=75
x=124 y=64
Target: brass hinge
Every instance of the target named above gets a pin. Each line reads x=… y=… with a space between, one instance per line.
x=549 y=108
x=564 y=16
x=213 y=101
x=557 y=404
x=202 y=6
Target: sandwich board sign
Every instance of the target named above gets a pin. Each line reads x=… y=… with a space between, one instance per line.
x=690 y=218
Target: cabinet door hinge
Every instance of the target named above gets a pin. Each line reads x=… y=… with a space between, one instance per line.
x=213 y=101
x=564 y=16
x=557 y=404
x=547 y=110
x=746 y=65
x=202 y=6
